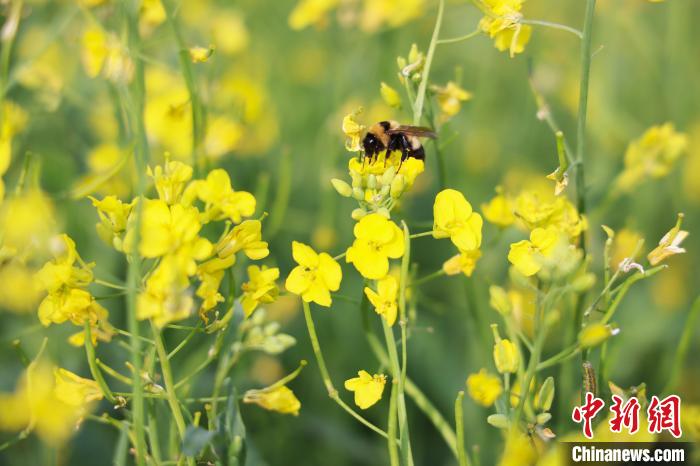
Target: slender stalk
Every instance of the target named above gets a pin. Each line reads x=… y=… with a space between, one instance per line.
x=427 y=278
x=549 y=24
x=332 y=392
x=423 y=86
x=173 y=402
x=391 y=429
x=94 y=367
x=454 y=40
x=459 y=425
x=583 y=109
x=153 y=433
x=136 y=102
x=683 y=347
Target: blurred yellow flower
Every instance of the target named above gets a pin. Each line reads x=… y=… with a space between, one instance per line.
x=390 y=96
x=368 y=388
x=246 y=237
x=170 y=180
x=625 y=244
x=208 y=290
x=384 y=299
x=669 y=244
x=499 y=210
x=280 y=399
x=450 y=98
x=223 y=136
x=528 y=256
x=455 y=219
x=104 y=55
x=151 y=15
x=260 y=288
x=229 y=33
x=392 y=13
x=376 y=240
x=35 y=406
x=18 y=288
x=519 y=450
x=502 y=22
x=484 y=387
x=499 y=300
x=315 y=276
x=653 y=155
x=27 y=221
x=464 y=262
x=109 y=172
x=61 y=271
x=310 y=12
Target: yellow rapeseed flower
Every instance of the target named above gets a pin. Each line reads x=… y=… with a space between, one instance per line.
x=537 y=209
x=376 y=240
x=669 y=244
x=502 y=22
x=384 y=299
x=484 y=387
x=260 y=288
x=246 y=237
x=280 y=399
x=27 y=221
x=170 y=180
x=114 y=215
x=528 y=256
x=455 y=219
x=368 y=388
x=315 y=276
x=464 y=262
x=353 y=131
x=220 y=200
x=167 y=296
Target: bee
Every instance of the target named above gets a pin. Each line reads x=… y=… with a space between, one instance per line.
x=391 y=136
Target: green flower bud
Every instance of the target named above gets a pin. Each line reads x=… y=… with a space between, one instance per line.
x=342 y=187
x=358 y=193
x=358 y=213
x=371 y=181
x=500 y=421
x=505 y=355
x=595 y=334
x=544 y=398
x=388 y=176
x=499 y=300
x=543 y=418
x=398 y=184
x=390 y=96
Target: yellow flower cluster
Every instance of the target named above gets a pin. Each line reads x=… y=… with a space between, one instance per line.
x=66 y=278
x=376 y=184
x=169 y=232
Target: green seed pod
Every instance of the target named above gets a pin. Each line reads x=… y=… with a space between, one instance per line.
x=342 y=187
x=543 y=400
x=499 y=421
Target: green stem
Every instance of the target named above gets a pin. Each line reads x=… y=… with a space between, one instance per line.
x=459 y=425
x=198 y=115
x=136 y=102
x=153 y=433
x=683 y=347
x=391 y=429
x=427 y=278
x=94 y=368
x=332 y=392
x=582 y=110
x=173 y=402
x=423 y=86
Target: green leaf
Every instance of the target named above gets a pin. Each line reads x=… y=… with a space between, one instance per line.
x=196 y=438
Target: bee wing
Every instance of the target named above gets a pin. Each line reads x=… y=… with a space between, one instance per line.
x=418 y=131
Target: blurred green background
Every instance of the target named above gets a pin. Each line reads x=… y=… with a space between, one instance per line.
x=300 y=83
